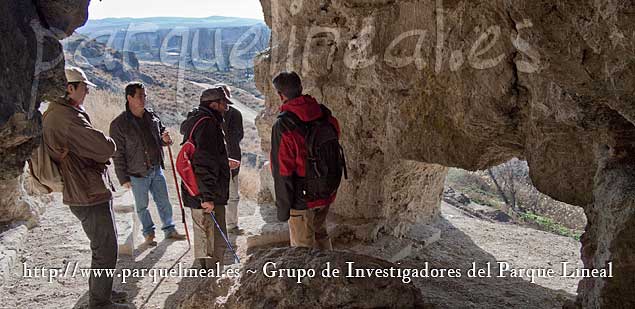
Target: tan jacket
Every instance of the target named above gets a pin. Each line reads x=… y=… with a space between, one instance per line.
x=82 y=153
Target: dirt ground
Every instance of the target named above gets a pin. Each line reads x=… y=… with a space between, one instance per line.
x=466 y=240
x=59 y=241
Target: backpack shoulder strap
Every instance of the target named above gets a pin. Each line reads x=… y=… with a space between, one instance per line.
x=291 y=116
x=189 y=139
x=295 y=120
x=326 y=113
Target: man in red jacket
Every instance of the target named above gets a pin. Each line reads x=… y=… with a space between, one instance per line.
x=306 y=215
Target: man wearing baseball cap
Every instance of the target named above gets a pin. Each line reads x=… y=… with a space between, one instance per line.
x=212 y=175
x=82 y=154
x=77 y=75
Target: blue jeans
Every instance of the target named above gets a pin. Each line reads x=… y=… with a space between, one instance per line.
x=154 y=183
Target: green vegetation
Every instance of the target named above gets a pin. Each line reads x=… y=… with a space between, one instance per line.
x=479 y=187
x=550 y=226
x=479 y=196
x=473 y=186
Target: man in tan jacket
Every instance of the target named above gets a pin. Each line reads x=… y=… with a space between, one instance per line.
x=82 y=154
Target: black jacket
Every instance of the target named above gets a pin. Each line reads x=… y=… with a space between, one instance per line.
x=130 y=157
x=234 y=133
x=210 y=161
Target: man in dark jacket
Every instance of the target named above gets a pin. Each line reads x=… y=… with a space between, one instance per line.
x=233 y=127
x=82 y=154
x=212 y=170
x=139 y=162
x=307 y=218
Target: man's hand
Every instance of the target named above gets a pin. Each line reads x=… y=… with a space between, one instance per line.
x=127 y=185
x=208 y=207
x=166 y=138
x=233 y=164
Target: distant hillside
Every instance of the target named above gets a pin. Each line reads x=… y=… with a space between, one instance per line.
x=95 y=25
x=108 y=68
x=212 y=43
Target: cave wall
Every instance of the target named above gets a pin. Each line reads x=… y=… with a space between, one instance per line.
x=32 y=64
x=472 y=84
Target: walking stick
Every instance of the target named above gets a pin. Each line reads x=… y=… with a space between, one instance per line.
x=229 y=245
x=178 y=193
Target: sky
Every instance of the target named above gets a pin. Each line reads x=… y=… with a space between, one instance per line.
x=174 y=8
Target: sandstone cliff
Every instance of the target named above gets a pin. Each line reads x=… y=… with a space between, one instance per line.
x=472 y=84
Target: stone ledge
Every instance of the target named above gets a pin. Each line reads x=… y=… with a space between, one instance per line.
x=11 y=241
x=263 y=228
x=424 y=234
x=126 y=221
x=388 y=248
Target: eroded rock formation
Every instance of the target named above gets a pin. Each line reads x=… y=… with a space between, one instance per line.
x=472 y=84
x=32 y=65
x=94 y=57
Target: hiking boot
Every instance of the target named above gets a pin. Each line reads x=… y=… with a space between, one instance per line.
x=202 y=264
x=150 y=240
x=118 y=296
x=175 y=235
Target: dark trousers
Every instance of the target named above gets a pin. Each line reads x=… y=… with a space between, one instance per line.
x=99 y=226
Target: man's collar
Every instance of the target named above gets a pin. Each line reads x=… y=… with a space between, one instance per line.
x=67 y=102
x=211 y=111
x=145 y=111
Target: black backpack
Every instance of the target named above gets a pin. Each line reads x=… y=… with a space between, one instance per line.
x=325 y=162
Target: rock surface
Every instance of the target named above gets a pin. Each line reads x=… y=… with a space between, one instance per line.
x=255 y=290
x=21 y=201
x=11 y=242
x=103 y=65
x=472 y=84
x=127 y=222
x=32 y=61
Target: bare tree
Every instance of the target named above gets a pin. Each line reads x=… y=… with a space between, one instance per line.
x=508 y=179
x=500 y=190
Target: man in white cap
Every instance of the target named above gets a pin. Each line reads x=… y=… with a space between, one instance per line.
x=83 y=154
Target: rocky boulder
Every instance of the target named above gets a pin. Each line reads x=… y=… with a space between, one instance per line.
x=255 y=290
x=103 y=65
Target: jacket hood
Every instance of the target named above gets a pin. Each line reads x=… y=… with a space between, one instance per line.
x=305 y=107
x=194 y=115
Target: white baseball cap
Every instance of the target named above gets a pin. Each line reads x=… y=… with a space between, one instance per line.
x=75 y=74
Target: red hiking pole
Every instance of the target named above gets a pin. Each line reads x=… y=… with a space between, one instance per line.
x=178 y=193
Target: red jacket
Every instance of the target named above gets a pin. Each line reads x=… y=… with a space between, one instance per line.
x=288 y=156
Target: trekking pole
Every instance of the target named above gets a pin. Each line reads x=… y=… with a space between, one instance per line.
x=225 y=237
x=178 y=193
